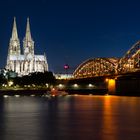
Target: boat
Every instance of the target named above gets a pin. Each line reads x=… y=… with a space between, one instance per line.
x=54 y=92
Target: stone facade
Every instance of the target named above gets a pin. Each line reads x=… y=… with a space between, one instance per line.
x=28 y=62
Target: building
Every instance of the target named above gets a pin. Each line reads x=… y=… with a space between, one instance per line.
x=64 y=76
x=28 y=62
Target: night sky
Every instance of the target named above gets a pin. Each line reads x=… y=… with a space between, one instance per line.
x=72 y=31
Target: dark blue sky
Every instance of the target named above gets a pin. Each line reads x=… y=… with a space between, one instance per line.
x=71 y=31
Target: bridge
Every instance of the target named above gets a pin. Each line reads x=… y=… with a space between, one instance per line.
x=94 y=67
x=120 y=75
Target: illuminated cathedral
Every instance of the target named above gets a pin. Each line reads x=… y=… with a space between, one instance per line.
x=28 y=62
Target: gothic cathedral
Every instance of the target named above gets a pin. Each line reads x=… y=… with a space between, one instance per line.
x=28 y=62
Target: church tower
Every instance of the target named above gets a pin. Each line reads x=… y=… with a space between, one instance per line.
x=14 y=45
x=14 y=50
x=28 y=43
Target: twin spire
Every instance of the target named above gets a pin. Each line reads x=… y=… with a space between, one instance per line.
x=28 y=43
x=15 y=34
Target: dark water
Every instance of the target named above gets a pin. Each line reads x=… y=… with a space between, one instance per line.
x=70 y=118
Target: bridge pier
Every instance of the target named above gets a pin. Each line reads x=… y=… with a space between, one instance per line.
x=128 y=84
x=111 y=85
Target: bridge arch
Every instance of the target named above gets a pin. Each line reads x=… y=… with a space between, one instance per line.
x=96 y=67
x=130 y=62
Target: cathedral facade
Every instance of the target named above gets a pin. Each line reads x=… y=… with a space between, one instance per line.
x=28 y=62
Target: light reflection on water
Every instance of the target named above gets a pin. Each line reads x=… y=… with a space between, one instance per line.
x=70 y=117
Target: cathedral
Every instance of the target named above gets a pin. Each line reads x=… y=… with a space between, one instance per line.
x=26 y=62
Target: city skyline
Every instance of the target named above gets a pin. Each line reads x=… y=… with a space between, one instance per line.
x=73 y=31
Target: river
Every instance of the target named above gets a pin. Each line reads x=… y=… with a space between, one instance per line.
x=70 y=118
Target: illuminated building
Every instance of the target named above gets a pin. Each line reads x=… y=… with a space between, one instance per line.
x=63 y=76
x=28 y=62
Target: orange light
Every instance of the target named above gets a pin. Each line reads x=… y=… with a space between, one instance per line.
x=106 y=79
x=111 y=85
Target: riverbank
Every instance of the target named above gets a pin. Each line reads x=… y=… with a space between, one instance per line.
x=87 y=91
x=40 y=92
x=23 y=92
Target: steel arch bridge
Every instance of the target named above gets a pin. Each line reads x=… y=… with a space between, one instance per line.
x=96 y=67
x=130 y=62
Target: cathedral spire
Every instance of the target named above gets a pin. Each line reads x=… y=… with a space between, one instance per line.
x=28 y=43
x=28 y=32
x=14 y=44
x=14 y=31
